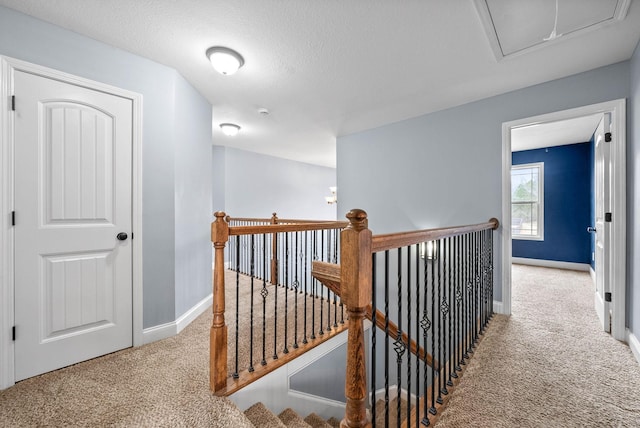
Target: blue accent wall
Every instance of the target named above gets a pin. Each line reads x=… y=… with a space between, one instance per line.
x=567 y=204
x=592 y=198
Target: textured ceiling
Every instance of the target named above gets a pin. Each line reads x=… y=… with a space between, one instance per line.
x=331 y=67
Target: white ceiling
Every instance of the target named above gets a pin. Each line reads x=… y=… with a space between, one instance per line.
x=333 y=67
x=550 y=134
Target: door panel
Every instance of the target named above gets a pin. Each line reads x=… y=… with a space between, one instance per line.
x=602 y=191
x=73 y=277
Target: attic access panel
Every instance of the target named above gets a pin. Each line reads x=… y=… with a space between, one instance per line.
x=518 y=26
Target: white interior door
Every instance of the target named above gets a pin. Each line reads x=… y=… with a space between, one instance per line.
x=603 y=230
x=73 y=275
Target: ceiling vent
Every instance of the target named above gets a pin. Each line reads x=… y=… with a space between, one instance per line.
x=515 y=27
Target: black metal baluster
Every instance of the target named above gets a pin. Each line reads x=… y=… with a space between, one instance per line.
x=287 y=236
x=465 y=299
x=458 y=332
x=321 y=332
x=264 y=293
x=374 y=328
x=425 y=323
x=491 y=267
x=306 y=278
x=386 y=338
x=432 y=408
x=235 y=373
x=314 y=245
x=252 y=269
x=443 y=313
x=296 y=286
x=451 y=357
x=398 y=345
x=275 y=304
x=440 y=317
x=417 y=389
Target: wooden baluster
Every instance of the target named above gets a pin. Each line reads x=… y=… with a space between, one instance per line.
x=218 y=335
x=274 y=252
x=355 y=278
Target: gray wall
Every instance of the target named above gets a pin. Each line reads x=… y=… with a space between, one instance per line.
x=257 y=185
x=633 y=201
x=193 y=183
x=445 y=168
x=219 y=174
x=162 y=88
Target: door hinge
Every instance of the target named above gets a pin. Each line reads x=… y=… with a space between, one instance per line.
x=13 y=218
x=131 y=235
x=13 y=333
x=607 y=297
x=607 y=217
x=13 y=102
x=607 y=137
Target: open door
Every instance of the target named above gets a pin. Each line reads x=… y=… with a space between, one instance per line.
x=603 y=221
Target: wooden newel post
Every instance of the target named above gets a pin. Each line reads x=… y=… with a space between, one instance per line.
x=355 y=279
x=218 y=336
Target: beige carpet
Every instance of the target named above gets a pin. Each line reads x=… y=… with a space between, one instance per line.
x=163 y=384
x=549 y=364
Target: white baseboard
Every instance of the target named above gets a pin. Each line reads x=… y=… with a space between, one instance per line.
x=551 y=264
x=497 y=307
x=634 y=344
x=164 y=331
x=593 y=275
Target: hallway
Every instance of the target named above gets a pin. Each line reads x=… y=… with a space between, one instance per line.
x=548 y=364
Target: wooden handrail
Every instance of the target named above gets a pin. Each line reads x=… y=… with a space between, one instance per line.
x=329 y=275
x=277 y=228
x=391 y=241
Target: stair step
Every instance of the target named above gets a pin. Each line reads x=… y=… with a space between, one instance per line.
x=317 y=422
x=335 y=423
x=291 y=419
x=262 y=417
x=393 y=412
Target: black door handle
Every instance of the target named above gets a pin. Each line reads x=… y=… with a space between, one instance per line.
x=122 y=236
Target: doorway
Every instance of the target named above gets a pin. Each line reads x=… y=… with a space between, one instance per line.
x=72 y=281
x=616 y=257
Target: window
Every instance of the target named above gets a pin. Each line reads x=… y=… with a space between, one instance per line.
x=527 y=196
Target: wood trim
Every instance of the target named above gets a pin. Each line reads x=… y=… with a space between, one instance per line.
x=245 y=377
x=328 y=274
x=277 y=228
x=391 y=241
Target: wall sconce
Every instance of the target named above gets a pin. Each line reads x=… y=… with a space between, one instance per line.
x=334 y=195
x=429 y=250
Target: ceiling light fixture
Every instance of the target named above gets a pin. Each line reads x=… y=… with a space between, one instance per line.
x=225 y=61
x=230 y=129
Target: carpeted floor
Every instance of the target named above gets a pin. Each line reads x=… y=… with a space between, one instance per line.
x=163 y=384
x=546 y=365
x=549 y=364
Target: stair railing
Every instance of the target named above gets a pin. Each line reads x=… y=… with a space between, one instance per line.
x=441 y=303
x=269 y=269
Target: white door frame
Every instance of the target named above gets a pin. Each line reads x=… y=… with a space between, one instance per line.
x=7 y=68
x=617 y=277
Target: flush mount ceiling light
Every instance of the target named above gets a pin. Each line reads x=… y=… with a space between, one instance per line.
x=230 y=129
x=225 y=61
